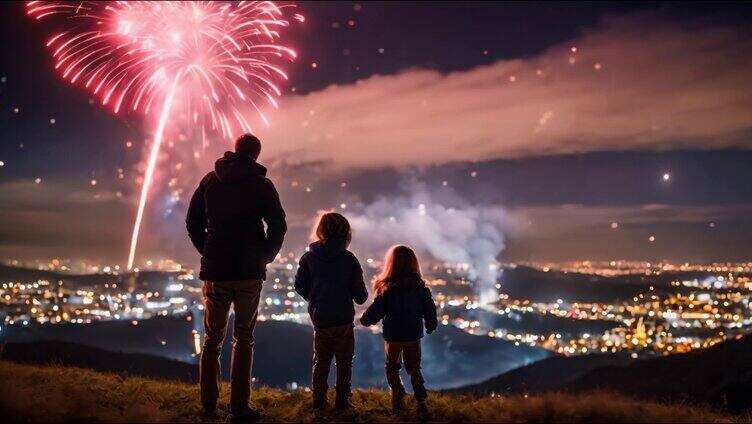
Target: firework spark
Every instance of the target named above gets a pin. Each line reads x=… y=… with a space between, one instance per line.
x=214 y=63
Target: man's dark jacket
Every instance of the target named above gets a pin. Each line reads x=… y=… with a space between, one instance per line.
x=226 y=220
x=404 y=308
x=330 y=278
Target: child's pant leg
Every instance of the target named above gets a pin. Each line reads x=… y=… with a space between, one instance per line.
x=343 y=353
x=323 y=351
x=411 y=355
x=392 y=365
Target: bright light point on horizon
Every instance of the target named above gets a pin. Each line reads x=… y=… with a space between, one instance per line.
x=93 y=182
x=52 y=121
x=651 y=238
x=666 y=176
x=614 y=225
x=2 y=163
x=38 y=180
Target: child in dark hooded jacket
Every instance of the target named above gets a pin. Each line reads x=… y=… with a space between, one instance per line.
x=405 y=304
x=330 y=278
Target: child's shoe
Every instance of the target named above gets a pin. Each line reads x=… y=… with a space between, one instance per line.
x=319 y=406
x=344 y=406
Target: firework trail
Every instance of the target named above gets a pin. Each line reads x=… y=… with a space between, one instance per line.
x=215 y=62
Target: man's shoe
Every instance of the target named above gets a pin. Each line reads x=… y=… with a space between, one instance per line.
x=245 y=415
x=398 y=403
x=422 y=410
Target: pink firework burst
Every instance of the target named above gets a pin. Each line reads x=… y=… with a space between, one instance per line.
x=215 y=62
x=225 y=55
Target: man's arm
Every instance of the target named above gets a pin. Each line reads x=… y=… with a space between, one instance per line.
x=276 y=227
x=195 y=220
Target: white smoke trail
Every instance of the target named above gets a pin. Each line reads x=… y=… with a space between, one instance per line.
x=460 y=233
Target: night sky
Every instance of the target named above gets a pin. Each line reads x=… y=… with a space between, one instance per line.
x=586 y=129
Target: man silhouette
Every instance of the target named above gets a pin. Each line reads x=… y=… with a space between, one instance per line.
x=226 y=224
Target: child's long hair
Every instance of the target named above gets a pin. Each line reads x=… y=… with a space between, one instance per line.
x=400 y=267
x=333 y=226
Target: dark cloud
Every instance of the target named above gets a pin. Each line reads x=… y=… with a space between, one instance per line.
x=49 y=219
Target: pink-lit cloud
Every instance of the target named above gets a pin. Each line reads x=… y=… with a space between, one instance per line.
x=634 y=83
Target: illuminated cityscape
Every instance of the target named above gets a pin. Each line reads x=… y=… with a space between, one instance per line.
x=672 y=315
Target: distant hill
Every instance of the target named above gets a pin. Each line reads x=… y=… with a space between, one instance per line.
x=59 y=394
x=283 y=350
x=77 y=355
x=720 y=376
x=524 y=282
x=533 y=323
x=168 y=337
x=28 y=275
x=546 y=375
x=25 y=275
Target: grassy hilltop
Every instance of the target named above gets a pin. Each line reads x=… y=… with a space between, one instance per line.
x=52 y=393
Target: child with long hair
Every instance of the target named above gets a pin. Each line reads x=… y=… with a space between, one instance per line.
x=405 y=304
x=330 y=278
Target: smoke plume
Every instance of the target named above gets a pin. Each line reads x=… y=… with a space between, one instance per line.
x=443 y=226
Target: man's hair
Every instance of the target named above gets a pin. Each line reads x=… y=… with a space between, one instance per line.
x=333 y=226
x=248 y=144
